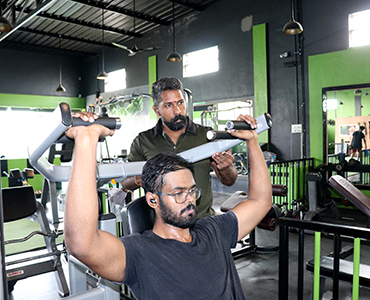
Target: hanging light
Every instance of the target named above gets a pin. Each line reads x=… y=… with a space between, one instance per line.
x=292 y=27
x=174 y=56
x=102 y=75
x=60 y=88
x=5 y=25
x=358 y=91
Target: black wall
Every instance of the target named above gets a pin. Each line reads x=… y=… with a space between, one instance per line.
x=325 y=30
x=38 y=74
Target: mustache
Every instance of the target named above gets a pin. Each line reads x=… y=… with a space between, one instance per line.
x=190 y=206
x=178 y=117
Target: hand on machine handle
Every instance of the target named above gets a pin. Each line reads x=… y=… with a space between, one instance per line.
x=264 y=122
x=87 y=119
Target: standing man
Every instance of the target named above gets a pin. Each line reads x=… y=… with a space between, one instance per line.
x=356 y=142
x=176 y=132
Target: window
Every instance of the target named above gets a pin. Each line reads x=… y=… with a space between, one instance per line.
x=116 y=81
x=15 y=140
x=359 y=28
x=200 y=62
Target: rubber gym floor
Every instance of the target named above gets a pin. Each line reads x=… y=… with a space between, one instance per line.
x=258 y=271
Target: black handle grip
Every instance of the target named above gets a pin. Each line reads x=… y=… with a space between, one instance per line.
x=219 y=135
x=238 y=125
x=111 y=123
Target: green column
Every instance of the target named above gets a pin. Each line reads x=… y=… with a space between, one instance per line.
x=152 y=77
x=260 y=75
x=316 y=271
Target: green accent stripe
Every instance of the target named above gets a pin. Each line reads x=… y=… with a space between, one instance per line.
x=316 y=273
x=152 y=77
x=260 y=75
x=46 y=102
x=17 y=164
x=356 y=269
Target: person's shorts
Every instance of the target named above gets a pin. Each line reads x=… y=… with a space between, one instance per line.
x=353 y=150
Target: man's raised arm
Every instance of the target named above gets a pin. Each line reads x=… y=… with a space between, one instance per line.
x=99 y=250
x=250 y=212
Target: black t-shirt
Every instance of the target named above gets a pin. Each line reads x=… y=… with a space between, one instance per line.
x=162 y=269
x=357 y=139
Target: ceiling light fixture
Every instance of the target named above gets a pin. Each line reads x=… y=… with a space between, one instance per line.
x=5 y=25
x=174 y=56
x=292 y=27
x=357 y=91
x=102 y=75
x=60 y=88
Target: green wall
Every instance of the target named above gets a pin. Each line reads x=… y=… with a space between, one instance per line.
x=260 y=75
x=46 y=102
x=340 y=68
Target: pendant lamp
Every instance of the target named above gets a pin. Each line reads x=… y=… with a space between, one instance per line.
x=292 y=27
x=174 y=56
x=102 y=75
x=60 y=88
x=5 y=25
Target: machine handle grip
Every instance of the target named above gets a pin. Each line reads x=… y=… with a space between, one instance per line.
x=219 y=135
x=241 y=125
x=111 y=123
x=264 y=122
x=238 y=125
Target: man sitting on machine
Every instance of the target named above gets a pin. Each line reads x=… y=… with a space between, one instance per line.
x=180 y=258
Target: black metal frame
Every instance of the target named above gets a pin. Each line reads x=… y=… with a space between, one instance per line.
x=302 y=225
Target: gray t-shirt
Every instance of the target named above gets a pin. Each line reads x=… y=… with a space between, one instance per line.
x=163 y=269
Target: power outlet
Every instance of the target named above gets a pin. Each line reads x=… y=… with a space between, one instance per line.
x=296 y=128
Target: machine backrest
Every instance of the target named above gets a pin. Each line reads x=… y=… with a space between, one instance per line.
x=352 y=193
x=18 y=202
x=139 y=216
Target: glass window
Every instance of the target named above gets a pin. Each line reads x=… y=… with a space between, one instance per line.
x=201 y=62
x=359 y=28
x=115 y=81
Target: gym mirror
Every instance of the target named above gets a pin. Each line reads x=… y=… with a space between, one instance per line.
x=345 y=109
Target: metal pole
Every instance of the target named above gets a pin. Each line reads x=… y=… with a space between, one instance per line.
x=4 y=283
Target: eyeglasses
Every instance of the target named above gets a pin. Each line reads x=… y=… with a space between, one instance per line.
x=182 y=196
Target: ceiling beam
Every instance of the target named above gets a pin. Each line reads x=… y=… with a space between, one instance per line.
x=82 y=22
x=38 y=48
x=125 y=11
x=30 y=16
x=65 y=37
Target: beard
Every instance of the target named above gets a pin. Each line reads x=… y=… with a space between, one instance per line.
x=172 y=125
x=170 y=217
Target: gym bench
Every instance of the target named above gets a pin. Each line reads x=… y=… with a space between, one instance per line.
x=345 y=273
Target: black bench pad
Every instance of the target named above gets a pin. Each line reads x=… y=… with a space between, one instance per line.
x=353 y=194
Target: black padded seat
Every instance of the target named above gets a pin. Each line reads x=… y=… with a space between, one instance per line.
x=353 y=194
x=137 y=217
x=18 y=202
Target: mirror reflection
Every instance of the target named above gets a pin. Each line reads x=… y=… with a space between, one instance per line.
x=347 y=116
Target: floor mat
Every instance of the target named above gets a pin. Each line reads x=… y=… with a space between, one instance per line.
x=20 y=229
